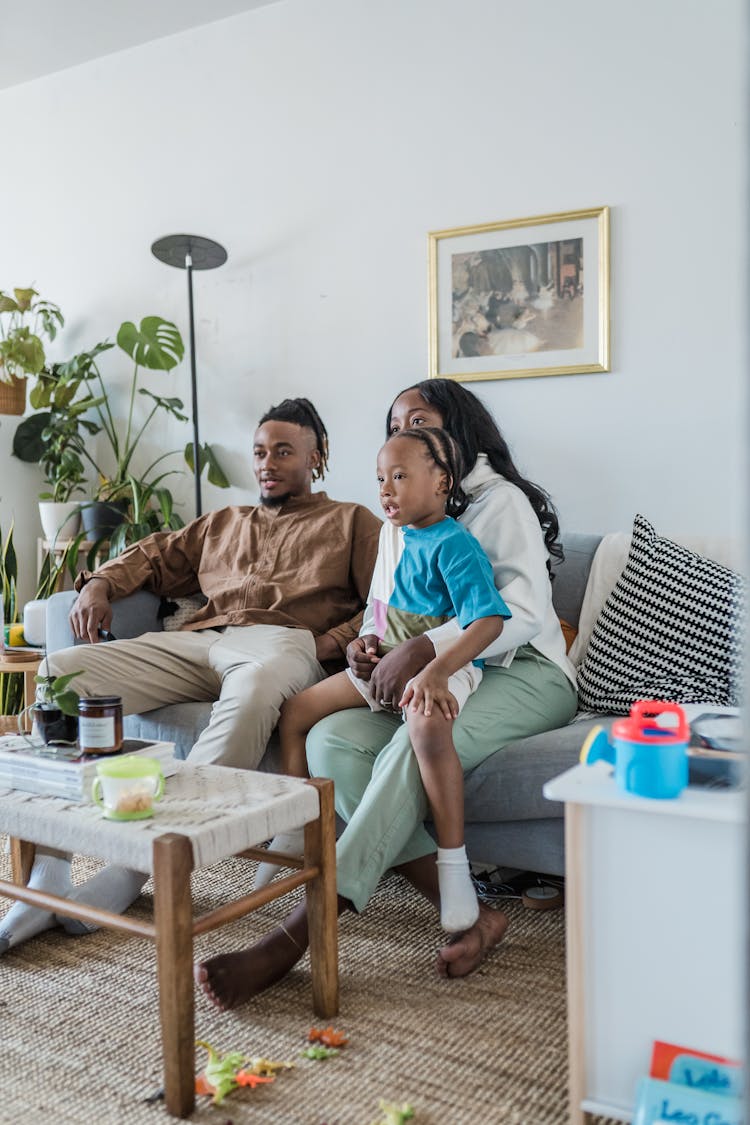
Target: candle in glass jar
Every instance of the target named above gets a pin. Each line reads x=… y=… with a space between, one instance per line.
x=100 y=724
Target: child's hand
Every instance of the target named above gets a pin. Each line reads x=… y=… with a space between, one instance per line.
x=362 y=655
x=427 y=691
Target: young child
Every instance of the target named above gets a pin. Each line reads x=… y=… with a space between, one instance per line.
x=429 y=568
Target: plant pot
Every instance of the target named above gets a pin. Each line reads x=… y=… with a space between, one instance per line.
x=100 y=519
x=60 y=520
x=53 y=725
x=13 y=396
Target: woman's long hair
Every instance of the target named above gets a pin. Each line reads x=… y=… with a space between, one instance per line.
x=470 y=423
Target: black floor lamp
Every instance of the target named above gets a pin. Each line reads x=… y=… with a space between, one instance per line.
x=191 y=252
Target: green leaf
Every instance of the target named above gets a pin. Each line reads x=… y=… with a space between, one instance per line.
x=171 y=405
x=28 y=443
x=24 y=297
x=206 y=456
x=7 y=304
x=23 y=352
x=80 y=366
x=216 y=474
x=68 y=702
x=166 y=503
x=157 y=344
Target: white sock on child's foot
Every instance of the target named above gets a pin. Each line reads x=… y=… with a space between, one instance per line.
x=459 y=907
x=49 y=873
x=293 y=843
x=113 y=888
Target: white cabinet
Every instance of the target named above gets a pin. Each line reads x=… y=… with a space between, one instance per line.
x=656 y=908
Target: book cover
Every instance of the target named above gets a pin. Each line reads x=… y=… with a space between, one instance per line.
x=696 y=1069
x=65 y=772
x=667 y=1103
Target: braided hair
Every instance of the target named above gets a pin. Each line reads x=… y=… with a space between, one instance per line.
x=445 y=452
x=301 y=412
x=470 y=423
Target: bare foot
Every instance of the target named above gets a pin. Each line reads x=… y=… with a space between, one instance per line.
x=465 y=952
x=234 y=978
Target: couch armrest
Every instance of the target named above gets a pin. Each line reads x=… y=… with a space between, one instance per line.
x=136 y=614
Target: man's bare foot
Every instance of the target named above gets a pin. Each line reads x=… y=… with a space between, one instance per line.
x=234 y=978
x=465 y=952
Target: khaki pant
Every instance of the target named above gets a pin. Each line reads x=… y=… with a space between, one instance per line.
x=246 y=671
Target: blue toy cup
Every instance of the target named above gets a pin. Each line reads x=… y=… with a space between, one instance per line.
x=649 y=760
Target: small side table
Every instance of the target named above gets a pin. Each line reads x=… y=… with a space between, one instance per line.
x=29 y=666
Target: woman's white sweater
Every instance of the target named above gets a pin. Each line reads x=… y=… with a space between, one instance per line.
x=500 y=516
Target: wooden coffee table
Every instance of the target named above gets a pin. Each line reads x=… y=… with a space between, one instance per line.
x=208 y=813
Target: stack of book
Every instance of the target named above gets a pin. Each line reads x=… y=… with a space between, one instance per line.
x=63 y=771
x=691 y=1087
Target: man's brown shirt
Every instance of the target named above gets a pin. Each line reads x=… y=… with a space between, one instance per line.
x=304 y=564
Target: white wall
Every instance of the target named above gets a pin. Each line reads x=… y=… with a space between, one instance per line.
x=319 y=141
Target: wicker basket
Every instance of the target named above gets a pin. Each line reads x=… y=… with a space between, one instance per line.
x=13 y=396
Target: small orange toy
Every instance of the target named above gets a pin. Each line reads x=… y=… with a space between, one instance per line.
x=246 y=1078
x=328 y=1036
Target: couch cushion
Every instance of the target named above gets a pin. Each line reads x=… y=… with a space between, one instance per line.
x=670 y=629
x=571 y=575
x=508 y=784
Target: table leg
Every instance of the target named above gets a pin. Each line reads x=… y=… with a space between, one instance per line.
x=173 y=915
x=322 y=904
x=574 y=924
x=29 y=696
x=21 y=860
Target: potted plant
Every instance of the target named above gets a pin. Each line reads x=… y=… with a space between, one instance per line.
x=24 y=320
x=56 y=436
x=11 y=683
x=145 y=503
x=56 y=709
x=59 y=438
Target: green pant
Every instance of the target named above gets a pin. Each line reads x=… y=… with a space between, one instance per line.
x=379 y=790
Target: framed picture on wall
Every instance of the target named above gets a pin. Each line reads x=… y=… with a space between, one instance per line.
x=521 y=298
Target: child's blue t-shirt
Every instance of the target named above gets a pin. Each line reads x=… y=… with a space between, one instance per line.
x=425 y=576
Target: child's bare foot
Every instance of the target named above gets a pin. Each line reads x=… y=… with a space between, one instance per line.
x=465 y=952
x=234 y=978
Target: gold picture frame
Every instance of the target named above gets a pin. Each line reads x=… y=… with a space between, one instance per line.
x=506 y=307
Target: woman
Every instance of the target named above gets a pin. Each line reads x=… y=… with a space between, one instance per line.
x=528 y=687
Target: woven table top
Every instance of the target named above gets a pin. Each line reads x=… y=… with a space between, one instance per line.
x=222 y=811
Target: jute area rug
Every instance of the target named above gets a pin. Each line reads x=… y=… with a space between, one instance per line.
x=80 y=1032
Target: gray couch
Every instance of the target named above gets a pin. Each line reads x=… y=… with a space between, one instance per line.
x=508 y=821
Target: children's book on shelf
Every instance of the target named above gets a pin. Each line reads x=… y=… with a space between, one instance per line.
x=700 y=1071
x=62 y=771
x=667 y=1103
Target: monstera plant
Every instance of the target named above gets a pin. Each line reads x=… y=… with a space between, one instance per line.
x=75 y=404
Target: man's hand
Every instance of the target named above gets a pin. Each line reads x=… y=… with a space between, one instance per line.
x=326 y=648
x=92 y=611
x=362 y=655
x=428 y=692
x=398 y=666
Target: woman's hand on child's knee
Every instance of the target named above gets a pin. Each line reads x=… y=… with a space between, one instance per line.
x=362 y=655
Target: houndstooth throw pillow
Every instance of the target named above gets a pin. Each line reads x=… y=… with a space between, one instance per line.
x=670 y=630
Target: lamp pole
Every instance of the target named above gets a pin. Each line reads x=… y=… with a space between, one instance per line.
x=191 y=252
x=194 y=389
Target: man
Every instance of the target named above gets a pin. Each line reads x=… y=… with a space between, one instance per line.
x=285 y=580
